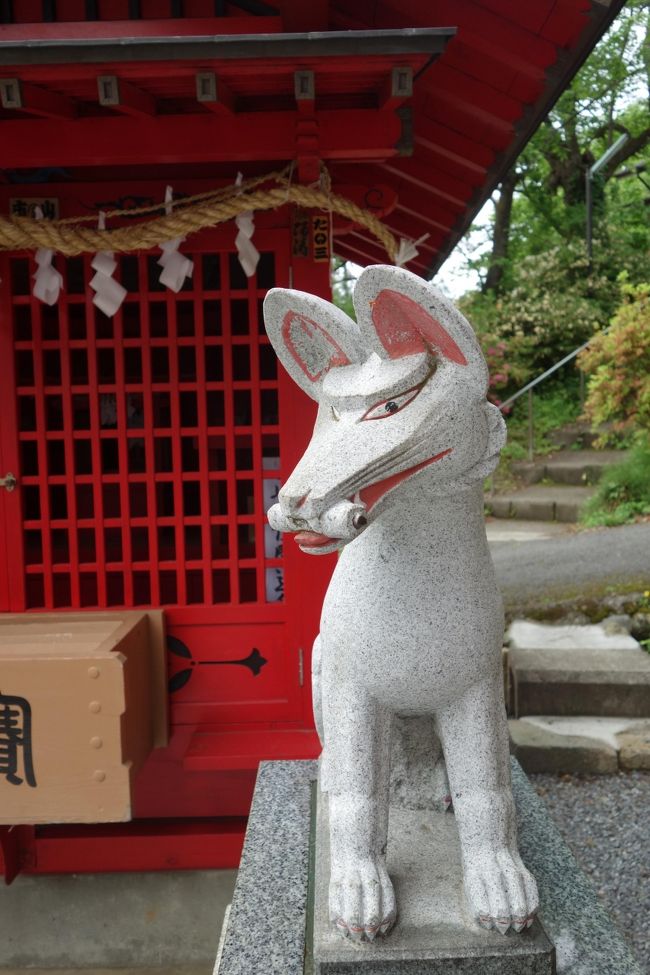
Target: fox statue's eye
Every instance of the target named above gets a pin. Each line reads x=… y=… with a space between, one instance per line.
x=388 y=407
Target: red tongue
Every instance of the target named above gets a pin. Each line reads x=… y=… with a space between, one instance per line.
x=312 y=539
x=374 y=492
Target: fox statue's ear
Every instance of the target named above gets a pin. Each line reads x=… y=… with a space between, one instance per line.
x=310 y=336
x=400 y=314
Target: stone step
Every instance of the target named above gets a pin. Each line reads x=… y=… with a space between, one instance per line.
x=580 y=745
x=577 y=434
x=576 y=670
x=579 y=467
x=541 y=502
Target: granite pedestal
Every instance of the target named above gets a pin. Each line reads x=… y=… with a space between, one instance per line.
x=271 y=930
x=434 y=932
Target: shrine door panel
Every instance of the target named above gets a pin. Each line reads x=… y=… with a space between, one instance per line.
x=148 y=447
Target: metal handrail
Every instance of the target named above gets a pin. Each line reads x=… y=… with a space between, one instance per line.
x=528 y=388
x=545 y=375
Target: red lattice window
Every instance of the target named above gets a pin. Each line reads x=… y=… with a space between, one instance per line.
x=148 y=444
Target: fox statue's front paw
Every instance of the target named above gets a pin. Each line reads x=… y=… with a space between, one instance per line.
x=362 y=900
x=500 y=891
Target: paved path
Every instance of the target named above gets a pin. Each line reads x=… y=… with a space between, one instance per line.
x=535 y=560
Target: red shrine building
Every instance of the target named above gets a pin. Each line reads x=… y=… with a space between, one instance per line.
x=155 y=634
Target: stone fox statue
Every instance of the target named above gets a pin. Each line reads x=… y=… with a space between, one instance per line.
x=412 y=622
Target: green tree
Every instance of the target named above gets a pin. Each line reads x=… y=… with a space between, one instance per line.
x=538 y=292
x=541 y=201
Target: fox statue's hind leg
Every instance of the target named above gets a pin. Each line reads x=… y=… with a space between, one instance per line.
x=355 y=777
x=474 y=733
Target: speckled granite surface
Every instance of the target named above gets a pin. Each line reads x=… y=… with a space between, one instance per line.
x=267 y=927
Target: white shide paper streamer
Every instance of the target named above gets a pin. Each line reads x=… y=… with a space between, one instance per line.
x=175 y=267
x=47 y=280
x=247 y=252
x=109 y=293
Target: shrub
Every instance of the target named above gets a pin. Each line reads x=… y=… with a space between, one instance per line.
x=553 y=305
x=555 y=404
x=618 y=364
x=506 y=375
x=623 y=492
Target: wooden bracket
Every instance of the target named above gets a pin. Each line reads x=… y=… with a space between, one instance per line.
x=304 y=89
x=121 y=95
x=214 y=93
x=36 y=101
x=397 y=87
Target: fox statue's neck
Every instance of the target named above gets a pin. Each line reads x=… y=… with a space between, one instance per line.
x=423 y=555
x=421 y=518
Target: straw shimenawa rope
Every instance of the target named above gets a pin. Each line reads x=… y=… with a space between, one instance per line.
x=72 y=236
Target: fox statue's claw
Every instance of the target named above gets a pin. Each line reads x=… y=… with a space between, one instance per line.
x=362 y=901
x=501 y=892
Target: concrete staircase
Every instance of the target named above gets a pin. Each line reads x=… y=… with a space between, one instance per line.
x=579 y=698
x=556 y=487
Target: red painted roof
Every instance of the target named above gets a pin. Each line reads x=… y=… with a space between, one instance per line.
x=474 y=109
x=471 y=113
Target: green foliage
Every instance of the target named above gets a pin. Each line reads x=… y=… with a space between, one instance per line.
x=552 y=307
x=618 y=365
x=342 y=286
x=554 y=406
x=505 y=372
x=549 y=299
x=623 y=492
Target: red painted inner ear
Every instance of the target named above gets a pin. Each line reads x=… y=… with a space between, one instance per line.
x=323 y=351
x=405 y=328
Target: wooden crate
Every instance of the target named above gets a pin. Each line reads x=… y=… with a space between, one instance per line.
x=82 y=704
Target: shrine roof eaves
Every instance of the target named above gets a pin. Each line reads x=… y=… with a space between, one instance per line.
x=440 y=148
x=219 y=46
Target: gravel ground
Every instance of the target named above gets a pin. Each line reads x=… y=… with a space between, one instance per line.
x=605 y=820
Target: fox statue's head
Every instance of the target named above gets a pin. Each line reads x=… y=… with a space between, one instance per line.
x=401 y=394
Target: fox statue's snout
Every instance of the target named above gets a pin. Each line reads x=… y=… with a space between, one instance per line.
x=398 y=390
x=343 y=522
x=317 y=503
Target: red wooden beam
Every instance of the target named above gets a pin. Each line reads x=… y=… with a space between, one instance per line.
x=16 y=95
x=360 y=134
x=355 y=247
x=447 y=146
x=460 y=92
x=118 y=29
x=209 y=751
x=15 y=848
x=476 y=23
x=230 y=70
x=436 y=221
x=494 y=72
x=426 y=177
x=124 y=97
x=307 y=129
x=141 y=845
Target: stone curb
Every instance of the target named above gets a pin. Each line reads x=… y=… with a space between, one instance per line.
x=540 y=749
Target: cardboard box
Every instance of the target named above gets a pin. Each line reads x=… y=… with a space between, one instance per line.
x=83 y=702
